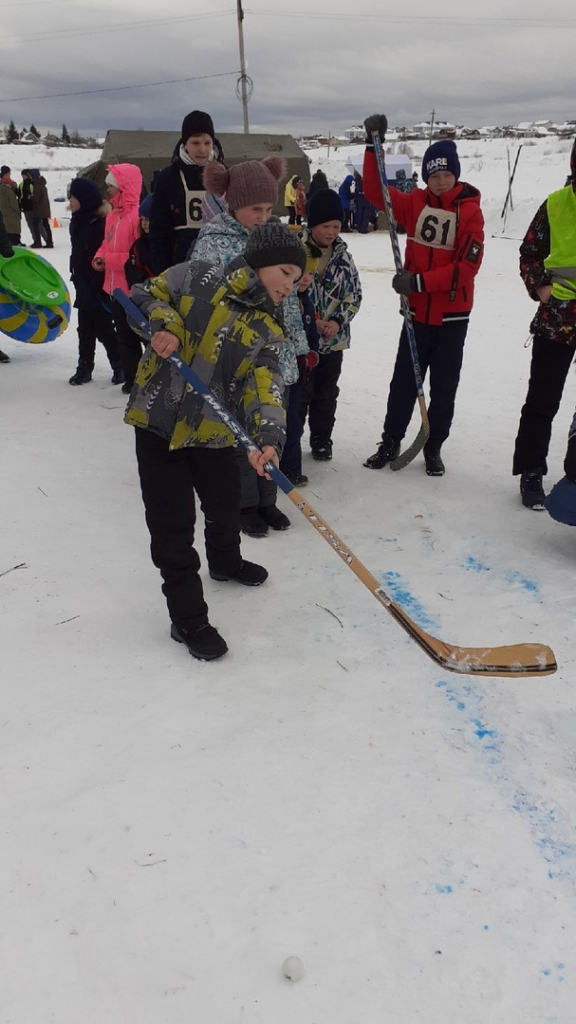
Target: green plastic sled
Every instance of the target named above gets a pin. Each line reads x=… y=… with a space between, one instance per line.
x=31 y=278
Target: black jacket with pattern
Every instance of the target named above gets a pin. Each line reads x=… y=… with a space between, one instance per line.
x=555 y=320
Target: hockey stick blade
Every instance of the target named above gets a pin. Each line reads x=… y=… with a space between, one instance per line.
x=417 y=444
x=516 y=660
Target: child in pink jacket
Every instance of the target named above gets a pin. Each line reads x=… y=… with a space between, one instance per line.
x=124 y=185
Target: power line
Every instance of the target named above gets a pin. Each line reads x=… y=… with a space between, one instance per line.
x=134 y=26
x=409 y=18
x=116 y=88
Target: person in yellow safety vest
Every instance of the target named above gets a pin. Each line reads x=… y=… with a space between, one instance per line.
x=290 y=198
x=548 y=269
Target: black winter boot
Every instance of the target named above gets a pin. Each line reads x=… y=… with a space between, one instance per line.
x=433 y=460
x=83 y=375
x=274 y=517
x=388 y=450
x=531 y=490
x=252 y=525
x=204 y=642
x=321 y=448
x=249 y=574
x=118 y=375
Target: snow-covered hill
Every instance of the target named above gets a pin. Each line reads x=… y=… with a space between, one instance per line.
x=173 y=830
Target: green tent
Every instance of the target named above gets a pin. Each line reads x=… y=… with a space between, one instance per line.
x=151 y=151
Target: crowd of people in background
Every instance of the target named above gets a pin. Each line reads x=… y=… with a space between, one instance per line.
x=262 y=311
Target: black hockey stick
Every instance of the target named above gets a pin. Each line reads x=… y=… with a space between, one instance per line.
x=424 y=433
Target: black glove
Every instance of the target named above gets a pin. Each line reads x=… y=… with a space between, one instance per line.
x=305 y=366
x=570 y=460
x=407 y=283
x=376 y=123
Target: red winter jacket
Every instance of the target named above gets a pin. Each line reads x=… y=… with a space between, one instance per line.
x=445 y=244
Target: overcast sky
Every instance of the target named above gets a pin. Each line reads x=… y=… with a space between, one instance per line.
x=316 y=67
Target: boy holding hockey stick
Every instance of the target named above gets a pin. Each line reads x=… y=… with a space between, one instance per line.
x=444 y=249
x=224 y=322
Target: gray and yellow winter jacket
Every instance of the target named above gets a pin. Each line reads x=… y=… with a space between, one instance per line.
x=225 y=322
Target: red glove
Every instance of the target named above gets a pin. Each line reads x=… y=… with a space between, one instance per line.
x=305 y=365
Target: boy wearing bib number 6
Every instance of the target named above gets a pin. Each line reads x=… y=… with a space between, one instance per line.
x=444 y=248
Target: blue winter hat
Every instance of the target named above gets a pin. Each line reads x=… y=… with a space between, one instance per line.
x=324 y=206
x=441 y=156
x=145 y=208
x=561 y=502
x=87 y=192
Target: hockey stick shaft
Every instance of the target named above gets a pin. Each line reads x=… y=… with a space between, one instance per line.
x=409 y=454
x=517 y=660
x=510 y=183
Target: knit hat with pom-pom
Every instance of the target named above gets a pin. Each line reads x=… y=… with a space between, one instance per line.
x=246 y=183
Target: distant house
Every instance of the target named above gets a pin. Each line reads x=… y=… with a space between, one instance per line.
x=51 y=140
x=357 y=132
x=29 y=139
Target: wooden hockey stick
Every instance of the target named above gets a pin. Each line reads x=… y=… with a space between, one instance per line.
x=515 y=660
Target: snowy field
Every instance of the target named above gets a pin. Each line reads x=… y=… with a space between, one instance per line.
x=173 y=830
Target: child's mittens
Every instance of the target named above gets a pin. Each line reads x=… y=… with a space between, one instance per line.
x=305 y=365
x=406 y=283
x=376 y=123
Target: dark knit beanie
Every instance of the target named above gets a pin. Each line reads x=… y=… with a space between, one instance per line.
x=441 y=156
x=87 y=192
x=197 y=123
x=272 y=244
x=246 y=183
x=324 y=205
x=4 y=170
x=145 y=208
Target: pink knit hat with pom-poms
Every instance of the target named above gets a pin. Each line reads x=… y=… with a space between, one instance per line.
x=247 y=183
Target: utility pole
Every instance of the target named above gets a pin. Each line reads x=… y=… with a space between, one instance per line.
x=242 y=67
x=432 y=115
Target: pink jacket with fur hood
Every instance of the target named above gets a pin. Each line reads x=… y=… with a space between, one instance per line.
x=122 y=226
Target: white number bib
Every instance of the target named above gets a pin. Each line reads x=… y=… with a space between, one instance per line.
x=193 y=206
x=436 y=228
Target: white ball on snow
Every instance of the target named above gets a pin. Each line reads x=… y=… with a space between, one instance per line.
x=293 y=968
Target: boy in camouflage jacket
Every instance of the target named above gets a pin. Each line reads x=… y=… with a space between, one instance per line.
x=224 y=324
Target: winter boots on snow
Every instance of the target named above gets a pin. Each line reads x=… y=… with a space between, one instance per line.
x=433 y=460
x=388 y=450
x=204 y=642
x=321 y=448
x=531 y=490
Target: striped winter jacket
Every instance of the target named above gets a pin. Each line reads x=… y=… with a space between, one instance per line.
x=220 y=241
x=225 y=322
x=336 y=295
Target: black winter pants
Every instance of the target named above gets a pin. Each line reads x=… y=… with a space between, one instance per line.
x=319 y=396
x=130 y=342
x=548 y=371
x=168 y=480
x=440 y=348
x=96 y=325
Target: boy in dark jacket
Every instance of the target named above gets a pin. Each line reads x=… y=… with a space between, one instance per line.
x=138 y=266
x=176 y=216
x=547 y=267
x=225 y=325
x=94 y=317
x=444 y=250
x=41 y=211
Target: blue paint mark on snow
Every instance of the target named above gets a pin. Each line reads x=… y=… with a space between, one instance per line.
x=526 y=584
x=443 y=889
x=392 y=583
x=551 y=832
x=473 y=565
x=486 y=927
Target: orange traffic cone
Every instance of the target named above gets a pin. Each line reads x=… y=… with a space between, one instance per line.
x=55 y=222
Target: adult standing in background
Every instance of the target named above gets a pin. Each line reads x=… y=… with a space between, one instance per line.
x=176 y=216
x=319 y=181
x=10 y=210
x=41 y=210
x=25 y=191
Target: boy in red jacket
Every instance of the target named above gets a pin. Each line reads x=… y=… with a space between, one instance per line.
x=444 y=248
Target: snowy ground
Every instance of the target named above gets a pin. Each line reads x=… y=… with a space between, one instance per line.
x=173 y=830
